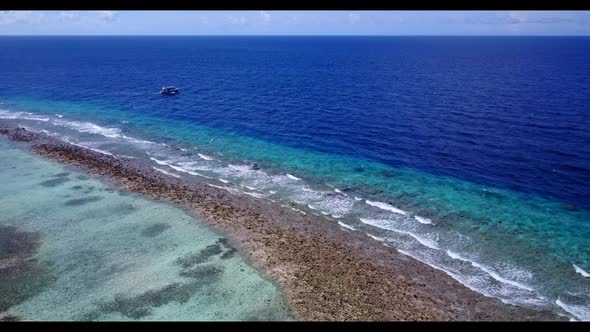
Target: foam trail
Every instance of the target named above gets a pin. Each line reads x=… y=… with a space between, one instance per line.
x=35 y=118
x=165 y=172
x=89 y=148
x=379 y=223
x=9 y=115
x=422 y=220
x=357 y=198
x=204 y=156
x=578 y=311
x=580 y=271
x=160 y=162
x=223 y=180
x=340 y=192
x=90 y=128
x=137 y=140
x=231 y=190
x=425 y=242
x=257 y=195
x=488 y=271
x=385 y=206
x=380 y=239
x=180 y=169
x=292 y=177
x=243 y=168
x=21 y=115
x=346 y=226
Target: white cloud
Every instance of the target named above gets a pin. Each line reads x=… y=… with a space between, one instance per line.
x=265 y=16
x=353 y=17
x=107 y=15
x=68 y=16
x=241 y=20
x=518 y=16
x=20 y=16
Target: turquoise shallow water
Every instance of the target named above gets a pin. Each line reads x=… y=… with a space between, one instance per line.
x=522 y=248
x=103 y=254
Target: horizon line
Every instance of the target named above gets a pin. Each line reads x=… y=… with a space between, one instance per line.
x=292 y=35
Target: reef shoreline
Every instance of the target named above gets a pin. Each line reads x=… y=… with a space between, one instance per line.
x=327 y=273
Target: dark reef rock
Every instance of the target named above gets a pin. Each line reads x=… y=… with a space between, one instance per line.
x=155 y=230
x=54 y=182
x=21 y=275
x=201 y=257
x=82 y=201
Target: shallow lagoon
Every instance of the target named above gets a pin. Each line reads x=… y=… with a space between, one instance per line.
x=76 y=249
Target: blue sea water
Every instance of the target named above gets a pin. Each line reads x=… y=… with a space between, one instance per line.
x=471 y=154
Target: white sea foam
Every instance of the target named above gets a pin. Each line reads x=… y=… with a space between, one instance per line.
x=346 y=226
x=257 y=195
x=312 y=207
x=292 y=177
x=380 y=239
x=5 y=114
x=423 y=220
x=422 y=240
x=178 y=168
x=223 y=180
x=69 y=141
x=385 y=206
x=580 y=271
x=297 y=210
x=386 y=224
x=580 y=312
x=160 y=162
x=204 y=156
x=489 y=271
x=165 y=172
x=243 y=168
x=137 y=140
x=230 y=190
x=90 y=128
x=357 y=198
x=35 y=118
x=10 y=115
x=272 y=192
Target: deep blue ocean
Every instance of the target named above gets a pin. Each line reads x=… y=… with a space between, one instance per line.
x=471 y=154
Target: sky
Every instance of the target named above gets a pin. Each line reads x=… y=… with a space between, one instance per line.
x=294 y=22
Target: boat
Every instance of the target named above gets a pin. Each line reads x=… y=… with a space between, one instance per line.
x=169 y=90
